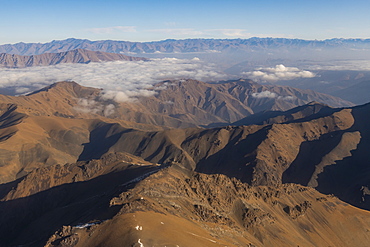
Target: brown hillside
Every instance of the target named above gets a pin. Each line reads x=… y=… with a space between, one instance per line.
x=319 y=150
x=75 y=177
x=118 y=201
x=177 y=104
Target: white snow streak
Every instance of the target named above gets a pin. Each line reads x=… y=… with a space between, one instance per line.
x=213 y=241
x=141 y=244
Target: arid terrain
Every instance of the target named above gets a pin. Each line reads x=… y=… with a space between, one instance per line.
x=286 y=170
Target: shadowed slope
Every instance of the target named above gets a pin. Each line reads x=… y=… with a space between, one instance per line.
x=121 y=200
x=48 y=198
x=300 y=151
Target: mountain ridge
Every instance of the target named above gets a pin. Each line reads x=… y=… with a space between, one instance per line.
x=170 y=46
x=71 y=56
x=176 y=103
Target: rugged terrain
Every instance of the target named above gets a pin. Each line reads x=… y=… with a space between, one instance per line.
x=73 y=175
x=52 y=125
x=121 y=200
x=176 y=103
x=326 y=150
x=71 y=56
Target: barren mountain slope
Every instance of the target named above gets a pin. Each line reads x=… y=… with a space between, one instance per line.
x=312 y=109
x=118 y=201
x=179 y=104
x=72 y=56
x=28 y=142
x=325 y=150
x=137 y=184
x=259 y=155
x=231 y=100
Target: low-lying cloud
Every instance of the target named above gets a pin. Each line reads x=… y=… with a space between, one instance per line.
x=264 y=94
x=357 y=65
x=271 y=95
x=278 y=73
x=120 y=80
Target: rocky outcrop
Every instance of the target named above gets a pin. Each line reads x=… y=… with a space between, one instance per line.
x=124 y=204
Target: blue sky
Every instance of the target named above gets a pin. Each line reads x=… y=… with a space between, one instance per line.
x=145 y=20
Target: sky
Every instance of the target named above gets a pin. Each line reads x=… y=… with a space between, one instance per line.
x=149 y=20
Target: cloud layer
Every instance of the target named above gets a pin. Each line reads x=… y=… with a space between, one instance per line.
x=278 y=73
x=358 y=65
x=121 y=80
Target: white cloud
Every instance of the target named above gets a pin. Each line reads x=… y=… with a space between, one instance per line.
x=94 y=107
x=271 y=95
x=120 y=80
x=109 y=110
x=21 y=90
x=109 y=30
x=231 y=33
x=357 y=65
x=170 y=24
x=178 y=31
x=277 y=73
x=287 y=98
x=264 y=94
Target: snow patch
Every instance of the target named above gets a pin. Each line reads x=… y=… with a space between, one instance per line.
x=86 y=225
x=141 y=244
x=138 y=179
x=213 y=241
x=139 y=228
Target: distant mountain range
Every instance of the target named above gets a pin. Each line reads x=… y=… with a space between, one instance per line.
x=71 y=56
x=183 y=46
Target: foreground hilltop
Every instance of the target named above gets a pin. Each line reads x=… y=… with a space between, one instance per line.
x=72 y=56
x=120 y=200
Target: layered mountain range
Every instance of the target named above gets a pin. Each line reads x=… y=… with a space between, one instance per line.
x=70 y=56
x=183 y=46
x=80 y=170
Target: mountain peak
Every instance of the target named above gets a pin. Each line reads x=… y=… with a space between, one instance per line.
x=70 y=88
